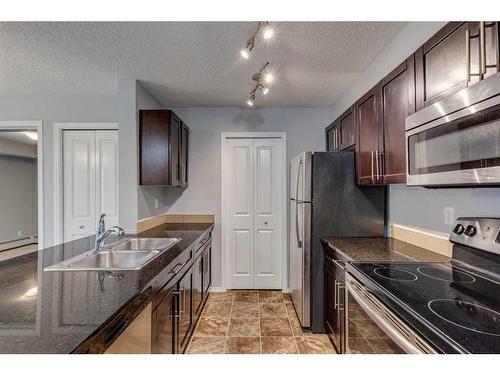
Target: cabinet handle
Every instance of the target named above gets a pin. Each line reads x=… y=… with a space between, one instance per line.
x=176 y=268
x=482 y=48
x=335 y=303
x=467 y=55
x=372 y=166
x=377 y=166
x=340 y=306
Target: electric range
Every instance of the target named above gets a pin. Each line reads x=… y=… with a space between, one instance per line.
x=449 y=307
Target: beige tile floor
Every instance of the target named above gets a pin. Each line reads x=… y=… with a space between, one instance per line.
x=253 y=322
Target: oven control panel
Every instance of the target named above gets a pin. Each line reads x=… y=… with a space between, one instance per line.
x=478 y=232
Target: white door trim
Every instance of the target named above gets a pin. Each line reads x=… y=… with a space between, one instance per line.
x=284 y=238
x=58 y=183
x=30 y=125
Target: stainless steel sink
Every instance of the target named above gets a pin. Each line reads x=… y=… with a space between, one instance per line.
x=126 y=255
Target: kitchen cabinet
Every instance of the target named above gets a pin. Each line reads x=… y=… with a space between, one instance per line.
x=380 y=119
x=341 y=134
x=397 y=93
x=198 y=284
x=165 y=324
x=184 y=311
x=163 y=149
x=369 y=141
x=457 y=56
x=335 y=301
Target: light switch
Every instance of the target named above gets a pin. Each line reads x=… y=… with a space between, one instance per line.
x=157 y=203
x=449 y=215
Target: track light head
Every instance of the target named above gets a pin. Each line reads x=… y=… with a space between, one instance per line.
x=250 y=102
x=268 y=77
x=265 y=90
x=267 y=31
x=245 y=53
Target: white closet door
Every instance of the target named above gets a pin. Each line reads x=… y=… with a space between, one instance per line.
x=79 y=184
x=239 y=199
x=267 y=213
x=107 y=175
x=90 y=178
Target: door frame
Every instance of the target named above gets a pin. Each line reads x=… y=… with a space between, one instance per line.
x=30 y=125
x=59 y=127
x=284 y=226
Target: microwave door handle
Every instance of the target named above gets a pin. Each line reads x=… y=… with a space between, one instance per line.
x=482 y=48
x=467 y=55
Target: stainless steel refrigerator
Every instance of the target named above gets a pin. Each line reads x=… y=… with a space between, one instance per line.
x=324 y=202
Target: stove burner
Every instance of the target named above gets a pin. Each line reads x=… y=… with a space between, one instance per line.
x=467 y=315
x=446 y=274
x=395 y=274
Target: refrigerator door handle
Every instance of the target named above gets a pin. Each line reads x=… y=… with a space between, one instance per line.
x=299 y=242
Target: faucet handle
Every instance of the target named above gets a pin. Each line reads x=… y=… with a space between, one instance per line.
x=118 y=230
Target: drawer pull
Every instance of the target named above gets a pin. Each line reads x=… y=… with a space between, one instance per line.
x=176 y=268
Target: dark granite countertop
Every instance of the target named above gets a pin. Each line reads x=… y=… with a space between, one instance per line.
x=380 y=249
x=55 y=312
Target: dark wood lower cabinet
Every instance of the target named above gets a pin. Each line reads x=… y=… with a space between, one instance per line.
x=335 y=303
x=175 y=317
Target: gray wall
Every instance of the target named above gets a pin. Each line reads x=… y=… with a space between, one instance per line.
x=418 y=207
x=51 y=109
x=18 y=203
x=305 y=131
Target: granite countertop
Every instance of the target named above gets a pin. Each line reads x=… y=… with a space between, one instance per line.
x=55 y=312
x=380 y=249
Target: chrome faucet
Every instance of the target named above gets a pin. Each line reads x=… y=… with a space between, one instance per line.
x=102 y=233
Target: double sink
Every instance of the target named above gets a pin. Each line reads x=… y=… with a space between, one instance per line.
x=126 y=255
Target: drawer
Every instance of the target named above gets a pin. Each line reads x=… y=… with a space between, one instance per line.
x=198 y=245
x=167 y=276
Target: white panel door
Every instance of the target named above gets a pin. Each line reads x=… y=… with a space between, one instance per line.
x=79 y=194
x=90 y=181
x=267 y=212
x=107 y=175
x=239 y=226
x=253 y=172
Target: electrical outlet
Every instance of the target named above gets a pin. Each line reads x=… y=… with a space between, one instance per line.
x=157 y=203
x=19 y=233
x=449 y=215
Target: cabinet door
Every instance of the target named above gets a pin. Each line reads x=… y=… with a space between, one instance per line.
x=441 y=63
x=175 y=139
x=164 y=326
x=207 y=269
x=332 y=137
x=154 y=138
x=330 y=305
x=368 y=122
x=197 y=285
x=184 y=155
x=398 y=102
x=184 y=310
x=347 y=130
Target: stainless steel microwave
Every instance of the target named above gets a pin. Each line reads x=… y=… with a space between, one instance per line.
x=456 y=142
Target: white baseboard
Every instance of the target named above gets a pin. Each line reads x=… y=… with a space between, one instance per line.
x=216 y=289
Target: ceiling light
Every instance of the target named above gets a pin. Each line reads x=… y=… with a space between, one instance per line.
x=265 y=90
x=261 y=78
x=264 y=30
x=245 y=53
x=31 y=135
x=250 y=102
x=32 y=292
x=268 y=32
x=268 y=77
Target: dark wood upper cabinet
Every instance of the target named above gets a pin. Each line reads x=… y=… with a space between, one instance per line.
x=397 y=92
x=453 y=59
x=347 y=129
x=163 y=148
x=341 y=134
x=369 y=143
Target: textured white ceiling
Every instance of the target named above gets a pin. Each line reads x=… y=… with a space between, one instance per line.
x=189 y=63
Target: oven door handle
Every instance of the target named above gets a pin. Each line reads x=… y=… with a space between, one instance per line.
x=396 y=331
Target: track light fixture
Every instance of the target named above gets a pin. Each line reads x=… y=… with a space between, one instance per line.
x=262 y=79
x=265 y=30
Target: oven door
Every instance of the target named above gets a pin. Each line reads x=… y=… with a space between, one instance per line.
x=373 y=329
x=456 y=142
